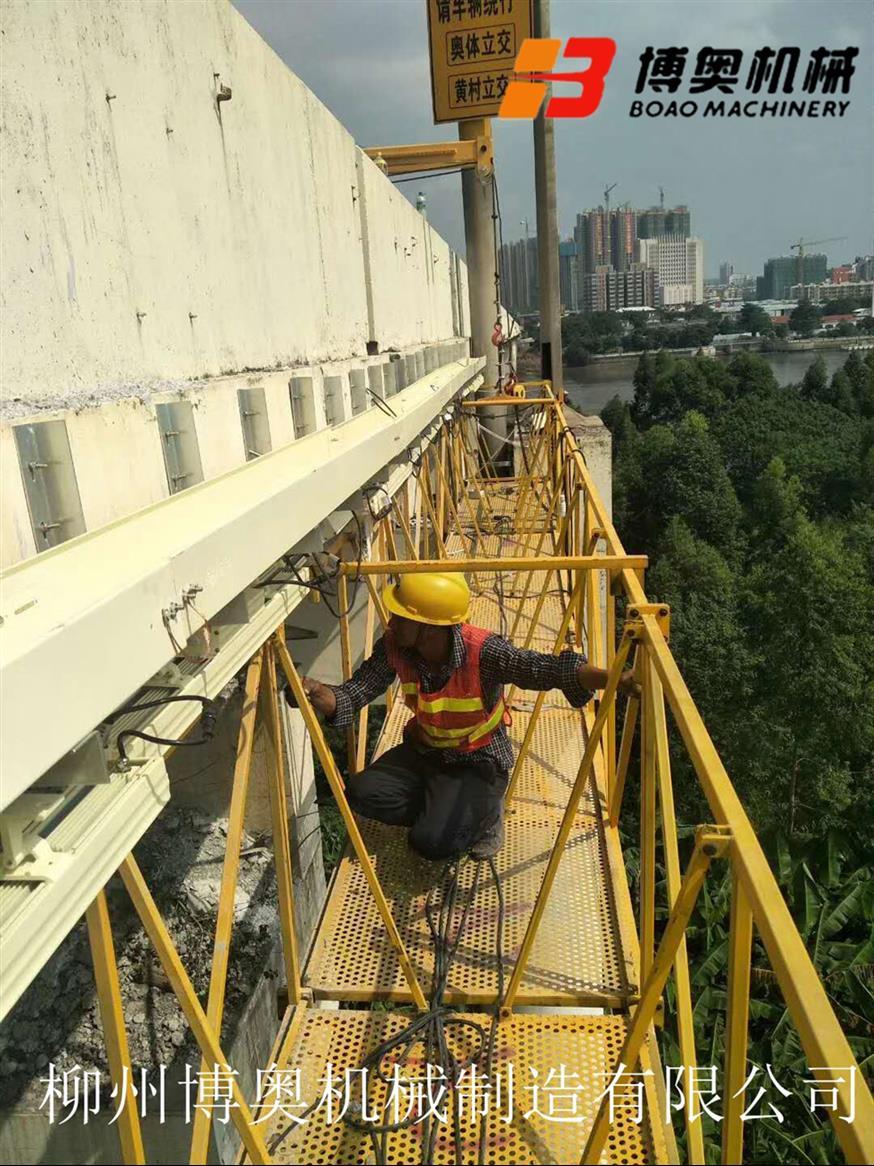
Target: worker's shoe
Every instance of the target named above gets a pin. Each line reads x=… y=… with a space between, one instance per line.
x=492 y=839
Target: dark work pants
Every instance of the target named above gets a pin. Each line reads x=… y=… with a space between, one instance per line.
x=447 y=807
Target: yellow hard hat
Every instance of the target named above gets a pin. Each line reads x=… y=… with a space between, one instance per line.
x=439 y=598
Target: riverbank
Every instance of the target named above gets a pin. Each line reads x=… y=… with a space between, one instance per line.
x=590 y=388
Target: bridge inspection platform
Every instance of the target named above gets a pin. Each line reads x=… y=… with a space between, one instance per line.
x=504 y=1010
x=548 y=991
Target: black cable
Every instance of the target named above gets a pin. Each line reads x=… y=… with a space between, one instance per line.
x=496 y=216
x=383 y=405
x=431 y=1027
x=207 y=724
x=317 y=586
x=499 y=268
x=154 y=704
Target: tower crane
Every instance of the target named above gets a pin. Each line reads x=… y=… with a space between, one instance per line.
x=607 y=197
x=802 y=243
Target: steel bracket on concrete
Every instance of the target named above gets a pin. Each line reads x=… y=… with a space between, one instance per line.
x=434 y=156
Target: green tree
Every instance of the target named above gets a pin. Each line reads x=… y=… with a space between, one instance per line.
x=751 y=375
x=861 y=376
x=693 y=484
x=841 y=393
x=814 y=384
x=804 y=318
x=817 y=443
x=808 y=609
x=649 y=367
x=755 y=319
x=707 y=637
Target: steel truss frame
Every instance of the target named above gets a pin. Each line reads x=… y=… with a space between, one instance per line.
x=585 y=545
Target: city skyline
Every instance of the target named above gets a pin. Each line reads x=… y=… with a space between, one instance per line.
x=755 y=185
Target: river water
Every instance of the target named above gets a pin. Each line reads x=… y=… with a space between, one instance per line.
x=591 y=387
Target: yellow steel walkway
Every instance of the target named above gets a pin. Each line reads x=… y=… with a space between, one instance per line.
x=570 y=934
x=521 y=1129
x=563 y=1034
x=577 y=958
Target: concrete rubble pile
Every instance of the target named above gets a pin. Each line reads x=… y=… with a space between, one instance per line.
x=57 y=1019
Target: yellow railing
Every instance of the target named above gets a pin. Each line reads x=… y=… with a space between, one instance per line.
x=757 y=902
x=563 y=531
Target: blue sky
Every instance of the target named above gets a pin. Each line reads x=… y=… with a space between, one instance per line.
x=753 y=186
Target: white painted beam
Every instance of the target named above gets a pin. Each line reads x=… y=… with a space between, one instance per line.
x=97 y=835
x=109 y=821
x=82 y=625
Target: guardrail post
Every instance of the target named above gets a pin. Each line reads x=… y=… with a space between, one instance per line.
x=632 y=710
x=709 y=844
x=685 y=1021
x=647 y=825
x=114 y=1032
x=224 y=923
x=207 y=1038
x=611 y=720
x=335 y=781
x=346 y=656
x=281 y=844
x=737 y=1020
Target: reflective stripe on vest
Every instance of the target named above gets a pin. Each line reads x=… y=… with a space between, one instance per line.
x=444 y=737
x=455 y=716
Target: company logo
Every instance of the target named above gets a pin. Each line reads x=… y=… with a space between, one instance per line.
x=535 y=61
x=766 y=73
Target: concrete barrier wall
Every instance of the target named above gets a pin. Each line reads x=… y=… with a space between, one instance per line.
x=154 y=231
x=161 y=244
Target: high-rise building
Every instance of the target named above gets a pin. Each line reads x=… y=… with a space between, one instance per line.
x=519 y=276
x=591 y=238
x=568 y=275
x=782 y=271
x=726 y=271
x=606 y=290
x=678 y=262
x=623 y=238
x=658 y=222
x=605 y=238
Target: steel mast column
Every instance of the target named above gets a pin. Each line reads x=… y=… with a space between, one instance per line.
x=477 y=189
x=551 y=367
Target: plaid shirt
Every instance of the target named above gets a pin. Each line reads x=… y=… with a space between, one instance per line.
x=500 y=663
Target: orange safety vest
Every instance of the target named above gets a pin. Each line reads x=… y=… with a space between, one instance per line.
x=454 y=717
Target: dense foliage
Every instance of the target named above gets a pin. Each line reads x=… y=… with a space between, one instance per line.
x=755 y=503
x=588 y=334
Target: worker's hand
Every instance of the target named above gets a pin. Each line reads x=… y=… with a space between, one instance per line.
x=321 y=697
x=413 y=734
x=628 y=686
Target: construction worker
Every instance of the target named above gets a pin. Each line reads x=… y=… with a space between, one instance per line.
x=447 y=779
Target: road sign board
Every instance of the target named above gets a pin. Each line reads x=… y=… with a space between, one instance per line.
x=473 y=47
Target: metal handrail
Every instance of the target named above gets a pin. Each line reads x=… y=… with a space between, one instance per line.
x=757 y=898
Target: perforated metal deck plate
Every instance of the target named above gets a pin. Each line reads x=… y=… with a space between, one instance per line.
x=523 y=1124
x=576 y=957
